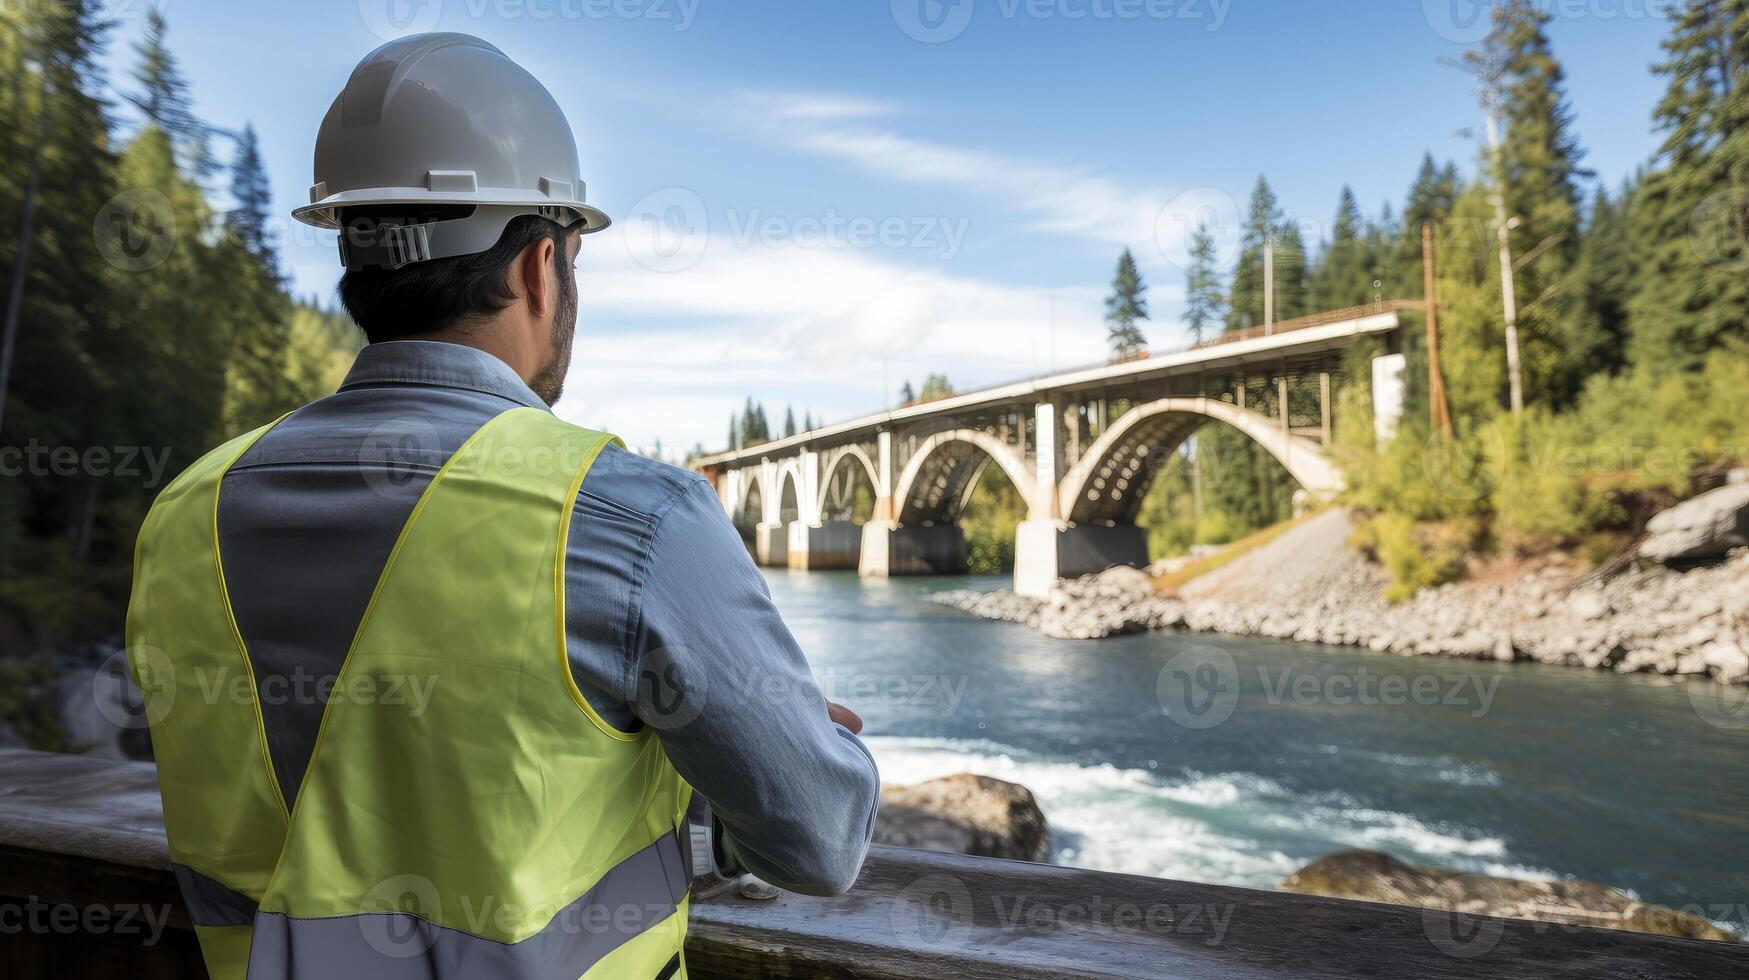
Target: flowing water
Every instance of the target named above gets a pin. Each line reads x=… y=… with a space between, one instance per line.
x=1512 y=769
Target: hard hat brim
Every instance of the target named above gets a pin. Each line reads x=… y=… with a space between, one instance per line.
x=325 y=212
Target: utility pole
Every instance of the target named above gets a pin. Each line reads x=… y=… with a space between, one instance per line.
x=1436 y=403
x=1508 y=289
x=1268 y=286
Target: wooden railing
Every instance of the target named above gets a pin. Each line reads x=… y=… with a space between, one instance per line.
x=86 y=892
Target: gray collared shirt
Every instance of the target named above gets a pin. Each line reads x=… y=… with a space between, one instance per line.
x=670 y=625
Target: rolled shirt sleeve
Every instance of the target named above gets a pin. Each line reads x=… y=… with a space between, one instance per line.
x=725 y=686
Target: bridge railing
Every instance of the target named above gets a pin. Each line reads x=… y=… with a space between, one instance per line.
x=1311 y=320
x=86 y=891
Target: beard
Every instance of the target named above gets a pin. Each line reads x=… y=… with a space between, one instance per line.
x=549 y=382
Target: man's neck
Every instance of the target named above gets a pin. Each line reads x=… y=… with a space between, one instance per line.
x=493 y=337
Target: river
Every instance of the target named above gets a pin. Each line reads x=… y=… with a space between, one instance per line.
x=1512 y=769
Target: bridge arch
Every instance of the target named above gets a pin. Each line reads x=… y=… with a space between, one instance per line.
x=1113 y=475
x=788 y=505
x=844 y=458
x=945 y=468
x=747 y=500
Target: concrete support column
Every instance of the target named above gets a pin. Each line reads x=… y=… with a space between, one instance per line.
x=1045 y=551
x=770 y=537
x=888 y=549
x=1043 y=505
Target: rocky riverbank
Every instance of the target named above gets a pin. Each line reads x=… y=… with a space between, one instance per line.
x=988 y=817
x=1678 y=619
x=1370 y=876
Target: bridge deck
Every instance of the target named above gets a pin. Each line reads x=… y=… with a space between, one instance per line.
x=1319 y=333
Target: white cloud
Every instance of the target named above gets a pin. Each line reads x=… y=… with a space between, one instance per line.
x=670 y=354
x=1056 y=198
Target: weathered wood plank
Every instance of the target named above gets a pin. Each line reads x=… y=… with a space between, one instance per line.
x=88 y=833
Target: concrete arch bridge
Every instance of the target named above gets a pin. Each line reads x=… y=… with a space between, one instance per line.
x=1081 y=446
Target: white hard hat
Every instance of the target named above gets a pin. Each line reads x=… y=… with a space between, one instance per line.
x=444 y=141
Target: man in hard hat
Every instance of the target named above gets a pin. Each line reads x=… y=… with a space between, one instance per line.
x=432 y=675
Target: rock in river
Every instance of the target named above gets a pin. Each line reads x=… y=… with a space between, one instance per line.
x=964 y=814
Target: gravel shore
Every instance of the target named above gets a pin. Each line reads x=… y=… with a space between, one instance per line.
x=1309 y=585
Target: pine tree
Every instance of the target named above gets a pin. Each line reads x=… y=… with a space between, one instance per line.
x=164 y=100
x=1344 y=273
x=734 y=430
x=1262 y=222
x=1691 y=215
x=935 y=388
x=1126 y=305
x=1537 y=170
x=906 y=395
x=789 y=421
x=1204 y=298
x=249 y=220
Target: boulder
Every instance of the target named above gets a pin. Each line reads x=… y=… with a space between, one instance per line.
x=964 y=814
x=1374 y=877
x=1700 y=528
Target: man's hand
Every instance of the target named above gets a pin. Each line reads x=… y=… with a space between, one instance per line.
x=844 y=716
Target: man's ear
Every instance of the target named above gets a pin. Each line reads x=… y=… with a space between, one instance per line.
x=539 y=284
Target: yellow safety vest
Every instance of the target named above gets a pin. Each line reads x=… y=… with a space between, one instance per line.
x=501 y=830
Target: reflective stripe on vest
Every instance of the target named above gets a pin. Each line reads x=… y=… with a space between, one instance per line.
x=495 y=827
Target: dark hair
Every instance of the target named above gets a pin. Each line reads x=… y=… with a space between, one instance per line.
x=426 y=296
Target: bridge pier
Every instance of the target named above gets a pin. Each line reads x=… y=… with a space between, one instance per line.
x=890 y=549
x=1045 y=551
x=828 y=545
x=771 y=544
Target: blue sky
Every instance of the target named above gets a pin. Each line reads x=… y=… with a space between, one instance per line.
x=816 y=200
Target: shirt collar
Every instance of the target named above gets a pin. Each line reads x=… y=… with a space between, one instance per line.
x=429 y=362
